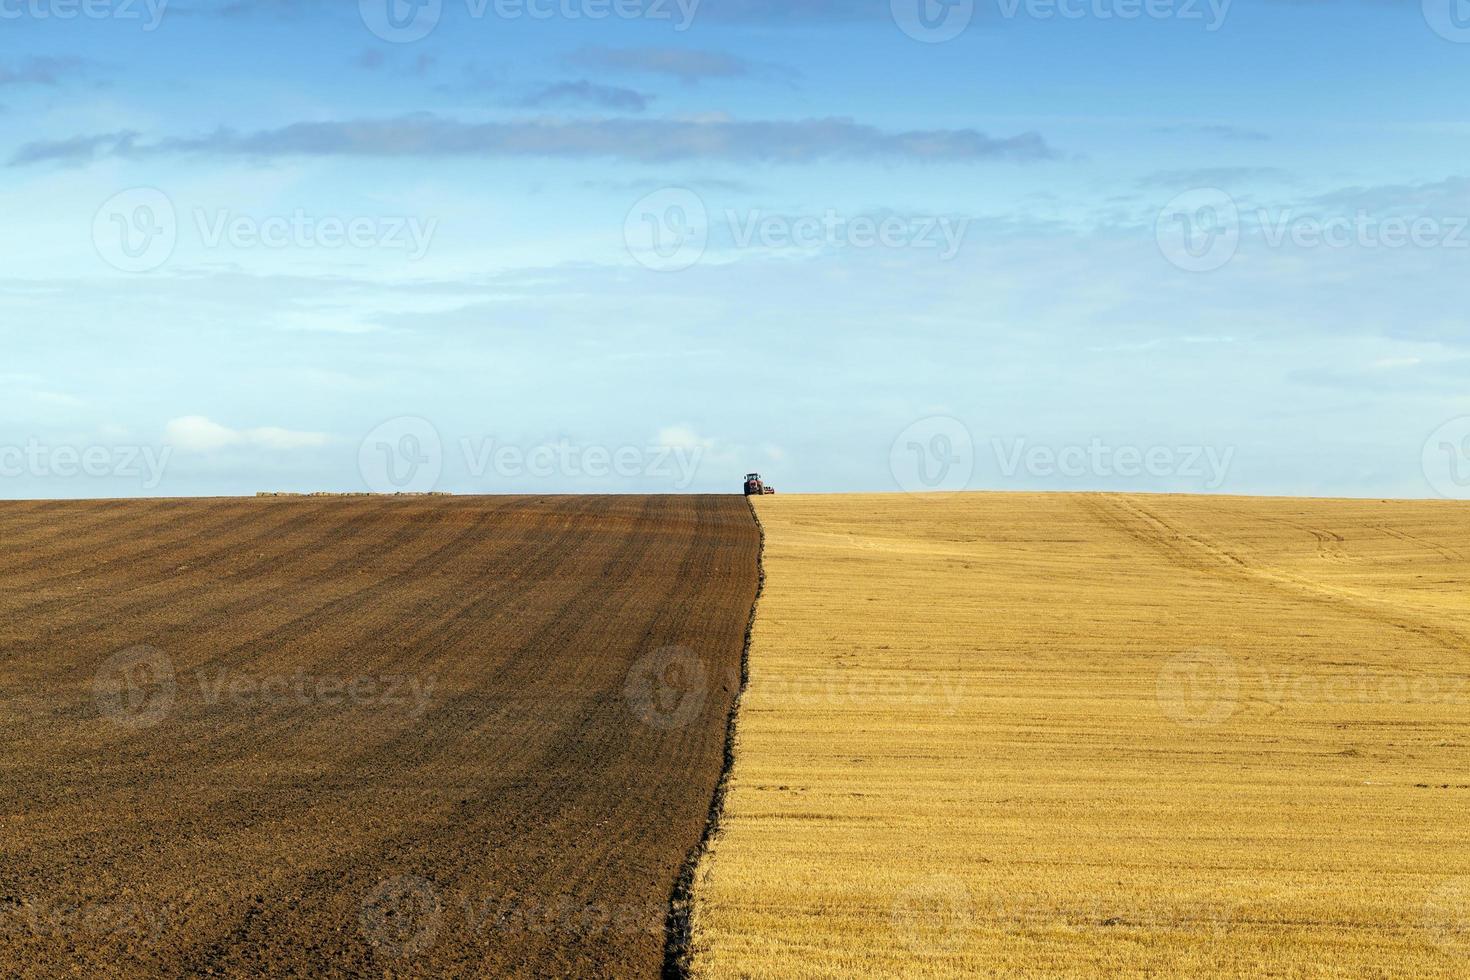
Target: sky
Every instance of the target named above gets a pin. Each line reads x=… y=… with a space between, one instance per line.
x=567 y=246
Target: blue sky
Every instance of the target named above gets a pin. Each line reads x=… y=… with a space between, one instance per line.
x=1083 y=244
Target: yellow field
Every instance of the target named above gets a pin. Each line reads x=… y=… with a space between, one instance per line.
x=1066 y=734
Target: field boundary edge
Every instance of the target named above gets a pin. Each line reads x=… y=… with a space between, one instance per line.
x=679 y=934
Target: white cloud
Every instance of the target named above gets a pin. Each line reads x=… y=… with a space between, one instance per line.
x=195 y=433
x=683 y=437
x=273 y=438
x=713 y=453
x=59 y=399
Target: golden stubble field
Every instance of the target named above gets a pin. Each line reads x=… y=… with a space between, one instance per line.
x=1075 y=734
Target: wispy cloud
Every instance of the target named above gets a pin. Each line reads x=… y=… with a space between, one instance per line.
x=796 y=11
x=1450 y=196
x=769 y=12
x=375 y=59
x=1211 y=177
x=370 y=60
x=589 y=93
x=646 y=184
x=643 y=141
x=195 y=433
x=687 y=65
x=43 y=71
x=1219 y=131
x=76 y=149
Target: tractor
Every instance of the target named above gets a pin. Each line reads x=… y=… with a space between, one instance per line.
x=755 y=487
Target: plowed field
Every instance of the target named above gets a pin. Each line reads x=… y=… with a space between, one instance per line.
x=325 y=736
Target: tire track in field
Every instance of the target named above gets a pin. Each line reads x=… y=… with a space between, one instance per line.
x=1443 y=551
x=1197 y=551
x=1329 y=543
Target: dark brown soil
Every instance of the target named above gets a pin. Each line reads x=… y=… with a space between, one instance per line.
x=360 y=736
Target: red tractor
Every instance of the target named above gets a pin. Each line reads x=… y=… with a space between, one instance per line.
x=755 y=487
